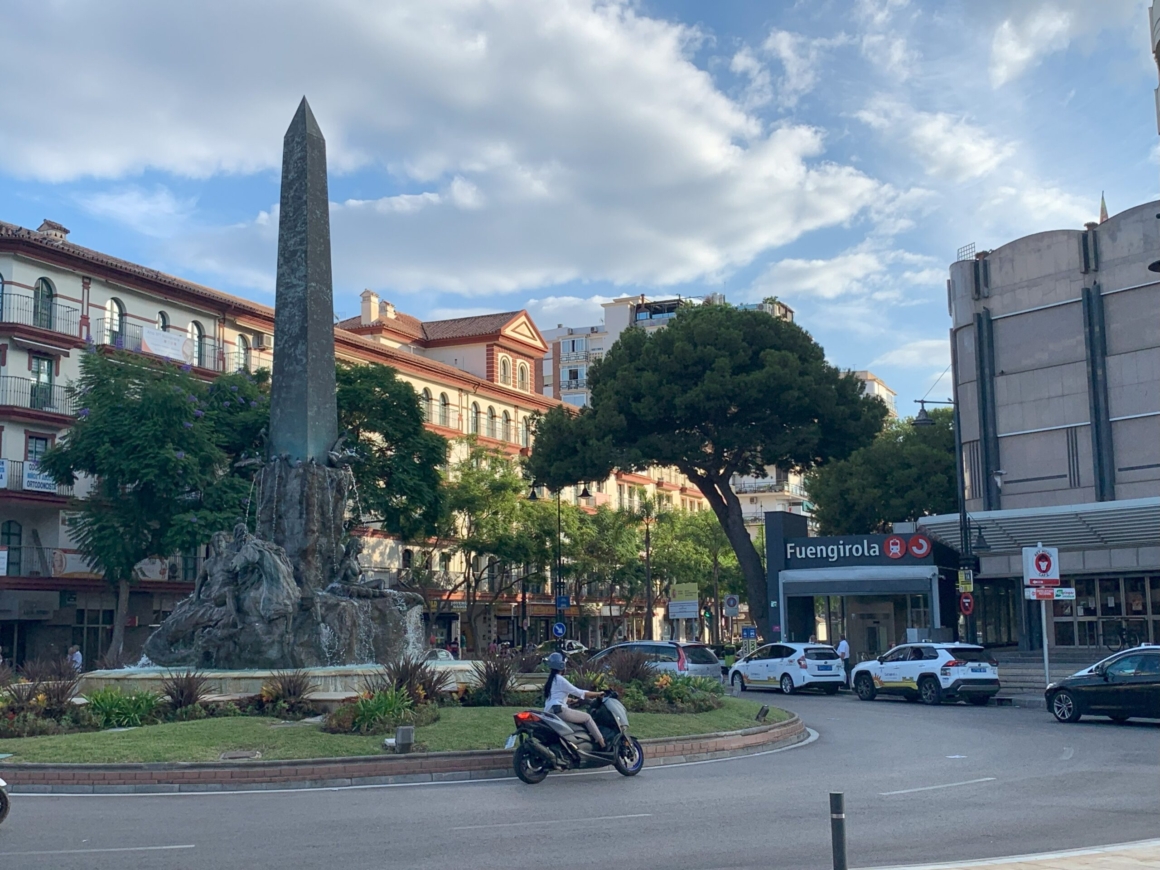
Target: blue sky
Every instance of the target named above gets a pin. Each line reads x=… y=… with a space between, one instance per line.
x=548 y=155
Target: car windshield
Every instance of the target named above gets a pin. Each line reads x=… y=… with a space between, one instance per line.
x=969 y=654
x=700 y=655
x=820 y=653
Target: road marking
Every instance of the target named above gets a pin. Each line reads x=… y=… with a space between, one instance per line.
x=96 y=851
x=956 y=756
x=496 y=781
x=933 y=787
x=1067 y=754
x=553 y=822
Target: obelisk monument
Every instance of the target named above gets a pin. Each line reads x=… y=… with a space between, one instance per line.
x=303 y=412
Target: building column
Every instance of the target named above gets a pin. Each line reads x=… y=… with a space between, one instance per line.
x=1095 y=345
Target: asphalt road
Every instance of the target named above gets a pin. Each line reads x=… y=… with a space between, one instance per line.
x=922 y=784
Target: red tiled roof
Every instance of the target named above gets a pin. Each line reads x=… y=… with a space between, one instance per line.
x=467 y=327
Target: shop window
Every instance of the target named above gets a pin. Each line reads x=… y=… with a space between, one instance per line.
x=1111 y=599
x=1135 y=596
x=1065 y=633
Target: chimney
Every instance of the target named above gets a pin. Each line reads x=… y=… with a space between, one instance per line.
x=370 y=308
x=388 y=310
x=53 y=230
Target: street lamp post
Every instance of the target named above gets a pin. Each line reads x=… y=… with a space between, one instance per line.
x=558 y=590
x=648 y=584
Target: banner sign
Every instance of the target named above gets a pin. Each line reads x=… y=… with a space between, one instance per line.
x=683 y=610
x=171 y=345
x=684 y=592
x=36 y=480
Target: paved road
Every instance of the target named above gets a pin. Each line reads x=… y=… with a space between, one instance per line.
x=922 y=784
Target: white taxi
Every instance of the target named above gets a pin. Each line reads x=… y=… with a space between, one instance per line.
x=789 y=667
x=929 y=672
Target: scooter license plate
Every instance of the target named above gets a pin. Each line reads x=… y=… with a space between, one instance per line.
x=511 y=741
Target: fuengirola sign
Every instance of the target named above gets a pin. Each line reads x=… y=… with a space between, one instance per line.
x=832 y=552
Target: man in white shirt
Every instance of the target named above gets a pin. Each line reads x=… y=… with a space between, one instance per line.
x=844 y=655
x=75 y=659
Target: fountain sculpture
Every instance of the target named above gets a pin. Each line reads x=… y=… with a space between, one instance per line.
x=293 y=595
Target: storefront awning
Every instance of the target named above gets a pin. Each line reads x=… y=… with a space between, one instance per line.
x=1127 y=523
x=859 y=580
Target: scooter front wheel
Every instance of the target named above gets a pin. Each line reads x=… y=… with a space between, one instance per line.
x=629 y=758
x=5 y=805
x=529 y=766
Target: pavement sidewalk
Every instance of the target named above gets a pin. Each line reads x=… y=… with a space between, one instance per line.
x=1128 y=856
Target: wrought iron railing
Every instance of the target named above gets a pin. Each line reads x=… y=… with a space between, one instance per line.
x=41 y=313
x=203 y=352
x=36 y=396
x=18 y=475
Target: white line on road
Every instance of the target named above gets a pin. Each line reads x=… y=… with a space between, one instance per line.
x=933 y=787
x=96 y=851
x=553 y=822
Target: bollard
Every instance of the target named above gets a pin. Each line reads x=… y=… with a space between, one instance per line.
x=838 y=828
x=404 y=738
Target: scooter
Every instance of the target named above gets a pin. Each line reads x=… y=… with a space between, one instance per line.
x=544 y=742
x=5 y=804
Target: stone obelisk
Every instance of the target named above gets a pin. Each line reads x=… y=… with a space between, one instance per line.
x=303 y=413
x=301 y=499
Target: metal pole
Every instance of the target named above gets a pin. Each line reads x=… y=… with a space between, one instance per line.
x=648 y=587
x=1043 y=631
x=559 y=585
x=838 y=829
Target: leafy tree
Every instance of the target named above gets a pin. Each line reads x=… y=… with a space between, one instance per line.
x=905 y=474
x=398 y=475
x=719 y=392
x=608 y=557
x=149 y=437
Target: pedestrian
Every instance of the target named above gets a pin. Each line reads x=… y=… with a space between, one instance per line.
x=453 y=648
x=844 y=655
x=492 y=648
x=75 y=659
x=813 y=638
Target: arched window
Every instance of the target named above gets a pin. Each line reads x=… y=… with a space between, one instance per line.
x=473 y=423
x=491 y=418
x=507 y=426
x=163 y=321
x=525 y=438
x=425 y=404
x=408 y=559
x=197 y=336
x=505 y=371
x=522 y=381
x=444 y=410
x=42 y=307
x=10 y=537
x=242 y=363
x=115 y=323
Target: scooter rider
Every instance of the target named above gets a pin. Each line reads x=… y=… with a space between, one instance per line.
x=558 y=689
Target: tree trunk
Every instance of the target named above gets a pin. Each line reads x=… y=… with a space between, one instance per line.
x=715 y=634
x=117 y=643
x=727 y=507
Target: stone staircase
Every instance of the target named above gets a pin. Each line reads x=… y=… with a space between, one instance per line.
x=1021 y=672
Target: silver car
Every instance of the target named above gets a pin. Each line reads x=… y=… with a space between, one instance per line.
x=676 y=657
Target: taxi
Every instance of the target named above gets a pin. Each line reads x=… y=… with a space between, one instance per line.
x=929 y=672
x=789 y=667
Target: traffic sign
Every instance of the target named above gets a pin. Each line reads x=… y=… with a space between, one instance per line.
x=1049 y=593
x=919 y=546
x=895 y=546
x=732 y=605
x=749 y=632
x=966 y=603
x=1040 y=566
x=562 y=602
x=559 y=629
x=966 y=580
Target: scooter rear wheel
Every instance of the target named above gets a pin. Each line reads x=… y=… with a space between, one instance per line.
x=629 y=757
x=529 y=766
x=5 y=805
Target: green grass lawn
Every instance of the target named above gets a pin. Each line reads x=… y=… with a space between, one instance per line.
x=206 y=740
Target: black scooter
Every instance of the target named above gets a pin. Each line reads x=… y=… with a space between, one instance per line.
x=5 y=804
x=544 y=742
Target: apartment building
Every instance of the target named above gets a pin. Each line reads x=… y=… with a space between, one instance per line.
x=477 y=376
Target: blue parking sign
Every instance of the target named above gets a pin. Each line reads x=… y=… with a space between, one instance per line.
x=562 y=602
x=559 y=629
x=749 y=632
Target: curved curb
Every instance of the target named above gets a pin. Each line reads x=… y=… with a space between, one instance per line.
x=216 y=776
x=1022 y=861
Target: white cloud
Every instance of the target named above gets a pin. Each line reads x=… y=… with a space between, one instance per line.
x=892 y=54
x=1037 y=29
x=1026 y=202
x=926 y=353
x=800 y=58
x=759 y=91
x=567 y=311
x=155 y=212
x=949 y=146
x=867 y=271
x=878 y=13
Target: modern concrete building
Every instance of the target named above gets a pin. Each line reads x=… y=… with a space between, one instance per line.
x=1055 y=345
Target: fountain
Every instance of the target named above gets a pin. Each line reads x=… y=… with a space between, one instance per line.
x=293 y=595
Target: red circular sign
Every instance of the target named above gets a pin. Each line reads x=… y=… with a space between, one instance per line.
x=966 y=604
x=1043 y=562
x=919 y=546
x=895 y=546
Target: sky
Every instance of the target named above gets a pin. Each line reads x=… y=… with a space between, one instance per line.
x=554 y=154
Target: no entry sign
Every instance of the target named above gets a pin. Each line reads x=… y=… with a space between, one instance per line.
x=1040 y=566
x=966 y=603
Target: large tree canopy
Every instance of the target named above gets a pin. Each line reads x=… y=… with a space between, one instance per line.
x=905 y=474
x=720 y=391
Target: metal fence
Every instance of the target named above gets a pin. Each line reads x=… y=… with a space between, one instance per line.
x=204 y=352
x=26 y=393
x=41 y=313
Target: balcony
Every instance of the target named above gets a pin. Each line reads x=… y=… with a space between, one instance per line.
x=25 y=393
x=18 y=475
x=446 y=416
x=766 y=485
x=247 y=360
x=204 y=352
x=27 y=310
x=574 y=356
x=574 y=384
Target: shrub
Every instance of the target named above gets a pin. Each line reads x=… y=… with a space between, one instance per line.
x=285 y=694
x=495 y=679
x=23 y=697
x=529 y=662
x=27 y=725
x=38 y=670
x=112 y=708
x=418 y=678
x=589 y=679
x=224 y=710
x=626 y=666
x=7 y=675
x=188 y=689
x=381 y=712
x=58 y=693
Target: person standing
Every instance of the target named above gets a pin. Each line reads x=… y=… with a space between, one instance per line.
x=844 y=655
x=75 y=658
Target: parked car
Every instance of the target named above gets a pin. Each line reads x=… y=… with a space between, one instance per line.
x=789 y=667
x=687 y=659
x=929 y=672
x=570 y=648
x=1119 y=687
x=438 y=655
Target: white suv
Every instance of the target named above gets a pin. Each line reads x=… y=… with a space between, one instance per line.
x=789 y=666
x=930 y=672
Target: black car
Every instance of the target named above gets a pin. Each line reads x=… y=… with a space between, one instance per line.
x=1120 y=687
